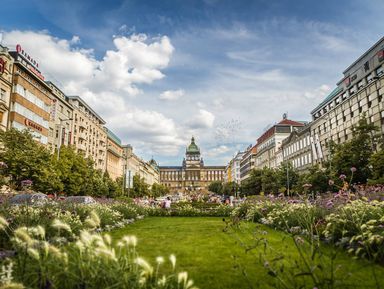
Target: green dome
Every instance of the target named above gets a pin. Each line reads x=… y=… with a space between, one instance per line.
x=193 y=148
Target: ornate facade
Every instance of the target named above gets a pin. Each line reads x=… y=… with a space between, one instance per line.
x=192 y=175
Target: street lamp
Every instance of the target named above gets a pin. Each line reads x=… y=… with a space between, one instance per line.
x=59 y=140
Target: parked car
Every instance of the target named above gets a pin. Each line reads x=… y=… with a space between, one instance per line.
x=36 y=199
x=80 y=200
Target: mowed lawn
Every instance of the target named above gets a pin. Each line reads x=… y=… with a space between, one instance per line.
x=215 y=259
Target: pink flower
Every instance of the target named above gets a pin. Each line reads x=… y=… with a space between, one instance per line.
x=353 y=169
x=331 y=182
x=342 y=177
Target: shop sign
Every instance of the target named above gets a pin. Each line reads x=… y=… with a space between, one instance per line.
x=21 y=51
x=33 y=125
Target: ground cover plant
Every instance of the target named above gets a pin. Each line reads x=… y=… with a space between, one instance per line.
x=234 y=258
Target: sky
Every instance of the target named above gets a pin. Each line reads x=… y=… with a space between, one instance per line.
x=159 y=72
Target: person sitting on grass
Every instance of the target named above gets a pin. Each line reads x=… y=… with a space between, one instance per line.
x=167 y=203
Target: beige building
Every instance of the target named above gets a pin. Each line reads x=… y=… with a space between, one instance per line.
x=297 y=149
x=31 y=98
x=114 y=156
x=192 y=175
x=247 y=162
x=360 y=91
x=61 y=116
x=134 y=165
x=89 y=136
x=6 y=67
x=269 y=144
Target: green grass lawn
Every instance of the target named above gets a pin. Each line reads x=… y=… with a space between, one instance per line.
x=216 y=259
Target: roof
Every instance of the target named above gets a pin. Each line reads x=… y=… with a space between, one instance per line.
x=365 y=54
x=290 y=122
x=193 y=148
x=333 y=93
x=76 y=97
x=270 y=131
x=113 y=137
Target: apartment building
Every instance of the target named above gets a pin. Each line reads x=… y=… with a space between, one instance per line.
x=31 y=98
x=269 y=143
x=359 y=92
x=114 y=156
x=6 y=67
x=297 y=148
x=247 y=162
x=61 y=116
x=89 y=135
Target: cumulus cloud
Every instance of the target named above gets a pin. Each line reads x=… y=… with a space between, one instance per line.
x=109 y=83
x=171 y=94
x=203 y=119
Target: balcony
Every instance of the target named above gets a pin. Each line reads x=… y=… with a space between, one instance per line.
x=82 y=135
x=82 y=124
x=81 y=147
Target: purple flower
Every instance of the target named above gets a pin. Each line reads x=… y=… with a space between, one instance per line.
x=329 y=204
x=353 y=169
x=331 y=182
x=342 y=177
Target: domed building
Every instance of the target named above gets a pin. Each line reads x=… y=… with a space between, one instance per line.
x=192 y=175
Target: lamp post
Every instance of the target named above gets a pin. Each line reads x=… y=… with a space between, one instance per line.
x=59 y=134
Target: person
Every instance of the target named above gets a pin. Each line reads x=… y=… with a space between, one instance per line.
x=167 y=203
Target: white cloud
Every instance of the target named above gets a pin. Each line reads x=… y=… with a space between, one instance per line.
x=217 y=151
x=108 y=84
x=171 y=94
x=203 y=119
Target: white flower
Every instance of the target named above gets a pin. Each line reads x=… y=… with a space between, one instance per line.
x=58 y=224
x=160 y=260
x=172 y=258
x=182 y=277
x=33 y=253
x=145 y=265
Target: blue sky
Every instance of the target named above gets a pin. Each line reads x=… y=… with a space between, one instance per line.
x=220 y=70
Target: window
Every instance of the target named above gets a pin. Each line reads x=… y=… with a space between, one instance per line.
x=380 y=71
x=360 y=84
x=2 y=94
x=369 y=78
x=344 y=96
x=352 y=90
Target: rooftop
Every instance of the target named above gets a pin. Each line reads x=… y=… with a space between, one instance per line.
x=78 y=98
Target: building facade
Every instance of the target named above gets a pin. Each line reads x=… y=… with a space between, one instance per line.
x=31 y=98
x=61 y=117
x=359 y=92
x=6 y=67
x=247 y=162
x=235 y=167
x=269 y=144
x=89 y=134
x=192 y=175
x=134 y=165
x=297 y=149
x=114 y=165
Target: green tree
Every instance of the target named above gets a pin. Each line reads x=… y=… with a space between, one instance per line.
x=253 y=184
x=376 y=163
x=231 y=188
x=355 y=153
x=317 y=178
x=73 y=170
x=287 y=176
x=140 y=187
x=27 y=159
x=158 y=190
x=216 y=187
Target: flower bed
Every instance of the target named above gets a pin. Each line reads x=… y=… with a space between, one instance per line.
x=350 y=221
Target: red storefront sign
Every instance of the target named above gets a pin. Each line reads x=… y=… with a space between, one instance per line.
x=32 y=124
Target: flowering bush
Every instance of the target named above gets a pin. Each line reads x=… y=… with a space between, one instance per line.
x=346 y=219
x=90 y=261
